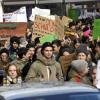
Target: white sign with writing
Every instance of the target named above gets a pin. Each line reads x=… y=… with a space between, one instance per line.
x=1 y=13
x=16 y=16
x=98 y=75
x=38 y=11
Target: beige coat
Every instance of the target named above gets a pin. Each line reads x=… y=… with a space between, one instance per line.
x=44 y=70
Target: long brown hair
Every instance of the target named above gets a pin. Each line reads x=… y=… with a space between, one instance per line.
x=17 y=69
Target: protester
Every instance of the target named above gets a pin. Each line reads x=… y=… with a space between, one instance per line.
x=78 y=72
x=64 y=51
x=82 y=54
x=32 y=58
x=37 y=42
x=23 y=42
x=45 y=68
x=57 y=46
x=93 y=75
x=23 y=57
x=14 y=46
x=4 y=58
x=70 y=58
x=29 y=35
x=13 y=75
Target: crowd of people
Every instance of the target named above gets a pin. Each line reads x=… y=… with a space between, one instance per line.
x=74 y=58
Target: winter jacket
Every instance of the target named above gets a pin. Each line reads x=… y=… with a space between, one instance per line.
x=44 y=70
x=8 y=80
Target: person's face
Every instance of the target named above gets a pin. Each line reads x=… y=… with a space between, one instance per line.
x=56 y=48
x=32 y=51
x=73 y=27
x=81 y=56
x=4 y=57
x=66 y=53
x=80 y=23
x=77 y=45
x=15 y=45
x=48 y=52
x=12 y=71
x=68 y=41
x=94 y=74
x=28 y=55
x=97 y=49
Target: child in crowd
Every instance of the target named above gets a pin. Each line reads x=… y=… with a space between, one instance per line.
x=13 y=75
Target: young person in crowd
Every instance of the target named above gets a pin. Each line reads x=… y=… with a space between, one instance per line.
x=45 y=68
x=4 y=58
x=93 y=76
x=13 y=75
x=14 y=46
x=32 y=58
x=57 y=46
x=23 y=57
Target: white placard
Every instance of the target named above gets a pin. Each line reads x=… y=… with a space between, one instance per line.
x=98 y=74
x=16 y=16
x=1 y=13
x=38 y=11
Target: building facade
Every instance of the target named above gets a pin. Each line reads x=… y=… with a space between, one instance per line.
x=59 y=7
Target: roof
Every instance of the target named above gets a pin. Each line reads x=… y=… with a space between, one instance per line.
x=38 y=89
x=19 y=2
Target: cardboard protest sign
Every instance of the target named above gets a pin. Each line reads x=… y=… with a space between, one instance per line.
x=59 y=27
x=96 y=29
x=66 y=20
x=43 y=26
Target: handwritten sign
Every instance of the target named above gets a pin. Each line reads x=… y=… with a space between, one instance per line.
x=43 y=26
x=16 y=16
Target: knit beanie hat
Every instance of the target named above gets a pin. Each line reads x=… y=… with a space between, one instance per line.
x=79 y=65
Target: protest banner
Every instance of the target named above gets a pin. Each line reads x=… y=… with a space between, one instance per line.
x=96 y=29
x=38 y=11
x=43 y=26
x=1 y=13
x=16 y=16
